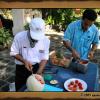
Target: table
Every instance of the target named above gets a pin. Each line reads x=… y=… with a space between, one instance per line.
x=62 y=74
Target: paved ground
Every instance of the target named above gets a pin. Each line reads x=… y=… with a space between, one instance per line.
x=7 y=66
x=7 y=70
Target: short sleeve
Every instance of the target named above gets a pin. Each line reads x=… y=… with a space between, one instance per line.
x=96 y=38
x=14 y=47
x=68 y=33
x=45 y=55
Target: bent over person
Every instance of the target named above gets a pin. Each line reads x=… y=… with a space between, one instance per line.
x=82 y=36
x=31 y=51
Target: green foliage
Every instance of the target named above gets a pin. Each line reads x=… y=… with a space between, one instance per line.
x=49 y=20
x=26 y=26
x=58 y=17
x=7 y=13
x=97 y=24
x=5 y=37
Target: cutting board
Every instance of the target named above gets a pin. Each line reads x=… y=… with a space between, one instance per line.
x=52 y=88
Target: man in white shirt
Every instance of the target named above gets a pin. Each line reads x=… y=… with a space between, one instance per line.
x=31 y=51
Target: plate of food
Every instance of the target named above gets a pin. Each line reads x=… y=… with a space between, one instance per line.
x=75 y=85
x=53 y=82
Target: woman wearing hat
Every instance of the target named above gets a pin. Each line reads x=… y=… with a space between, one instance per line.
x=31 y=51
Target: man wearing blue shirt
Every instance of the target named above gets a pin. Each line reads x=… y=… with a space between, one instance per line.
x=82 y=36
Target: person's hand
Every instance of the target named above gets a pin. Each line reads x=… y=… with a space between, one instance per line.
x=39 y=72
x=91 y=54
x=28 y=65
x=75 y=55
x=39 y=78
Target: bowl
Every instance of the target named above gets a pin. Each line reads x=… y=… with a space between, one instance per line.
x=84 y=62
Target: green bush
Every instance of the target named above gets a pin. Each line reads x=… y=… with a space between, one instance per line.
x=97 y=24
x=5 y=37
x=26 y=26
x=49 y=20
x=58 y=18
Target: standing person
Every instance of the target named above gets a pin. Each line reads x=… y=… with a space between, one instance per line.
x=82 y=36
x=31 y=51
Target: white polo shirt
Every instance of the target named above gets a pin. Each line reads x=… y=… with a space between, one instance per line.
x=21 y=46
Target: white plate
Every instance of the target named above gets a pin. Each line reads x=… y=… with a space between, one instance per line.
x=67 y=82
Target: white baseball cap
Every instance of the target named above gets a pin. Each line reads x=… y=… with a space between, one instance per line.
x=37 y=28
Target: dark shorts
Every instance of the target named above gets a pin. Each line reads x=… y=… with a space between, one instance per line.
x=22 y=74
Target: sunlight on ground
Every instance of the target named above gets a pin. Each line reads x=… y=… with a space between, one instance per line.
x=3 y=63
x=52 y=31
